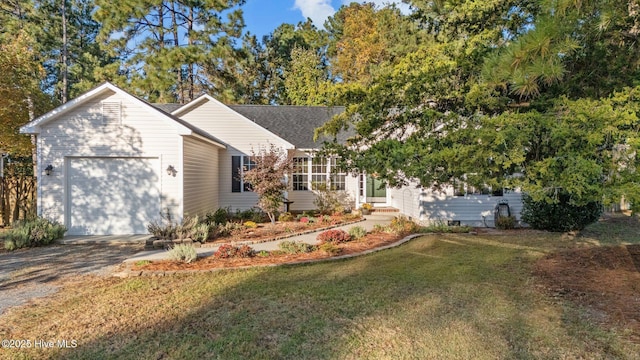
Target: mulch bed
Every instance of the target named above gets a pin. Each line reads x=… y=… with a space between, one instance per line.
x=605 y=280
x=280 y=230
x=371 y=241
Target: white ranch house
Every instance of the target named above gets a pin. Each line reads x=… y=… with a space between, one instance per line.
x=109 y=162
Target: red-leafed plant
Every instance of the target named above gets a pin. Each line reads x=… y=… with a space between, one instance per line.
x=228 y=251
x=334 y=236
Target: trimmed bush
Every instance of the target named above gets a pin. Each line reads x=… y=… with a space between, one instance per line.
x=200 y=232
x=506 y=222
x=218 y=217
x=330 y=249
x=228 y=251
x=402 y=225
x=35 y=232
x=295 y=247
x=334 y=236
x=357 y=232
x=560 y=216
x=250 y=224
x=185 y=253
x=285 y=217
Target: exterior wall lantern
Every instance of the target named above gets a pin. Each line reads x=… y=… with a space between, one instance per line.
x=48 y=170
x=171 y=171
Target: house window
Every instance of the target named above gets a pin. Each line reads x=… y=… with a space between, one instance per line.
x=318 y=173
x=300 y=173
x=239 y=164
x=111 y=113
x=337 y=178
x=247 y=164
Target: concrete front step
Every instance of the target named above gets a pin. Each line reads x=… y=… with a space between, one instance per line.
x=384 y=210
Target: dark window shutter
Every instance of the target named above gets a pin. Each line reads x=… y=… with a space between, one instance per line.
x=235 y=173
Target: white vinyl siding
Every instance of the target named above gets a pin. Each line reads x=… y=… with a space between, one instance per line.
x=431 y=206
x=141 y=133
x=200 y=177
x=243 y=137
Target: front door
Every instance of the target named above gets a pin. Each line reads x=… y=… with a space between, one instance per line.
x=376 y=190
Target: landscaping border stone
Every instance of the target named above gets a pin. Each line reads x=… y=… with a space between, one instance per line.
x=129 y=272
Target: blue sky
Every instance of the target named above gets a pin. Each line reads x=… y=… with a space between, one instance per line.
x=262 y=16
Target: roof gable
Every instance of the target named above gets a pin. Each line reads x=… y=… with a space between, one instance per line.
x=183 y=110
x=182 y=127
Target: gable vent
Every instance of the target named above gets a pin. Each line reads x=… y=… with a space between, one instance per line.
x=111 y=113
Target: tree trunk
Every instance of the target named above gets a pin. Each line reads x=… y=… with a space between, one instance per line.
x=65 y=61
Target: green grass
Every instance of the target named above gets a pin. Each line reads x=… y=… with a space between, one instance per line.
x=453 y=296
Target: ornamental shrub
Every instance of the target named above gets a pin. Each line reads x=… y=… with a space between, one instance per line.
x=35 y=232
x=295 y=247
x=185 y=253
x=228 y=251
x=357 y=232
x=250 y=224
x=284 y=217
x=560 y=216
x=506 y=222
x=330 y=249
x=334 y=236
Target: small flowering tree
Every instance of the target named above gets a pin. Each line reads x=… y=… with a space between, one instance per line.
x=267 y=178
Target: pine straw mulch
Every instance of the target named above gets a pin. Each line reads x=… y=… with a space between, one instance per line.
x=604 y=280
x=369 y=242
x=282 y=229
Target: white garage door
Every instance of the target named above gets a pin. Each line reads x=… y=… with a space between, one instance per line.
x=112 y=196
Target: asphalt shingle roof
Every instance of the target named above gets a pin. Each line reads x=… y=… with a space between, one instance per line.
x=295 y=124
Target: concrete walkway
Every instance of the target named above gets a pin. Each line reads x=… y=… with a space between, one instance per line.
x=368 y=224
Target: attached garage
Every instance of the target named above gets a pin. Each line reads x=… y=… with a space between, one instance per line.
x=109 y=163
x=112 y=195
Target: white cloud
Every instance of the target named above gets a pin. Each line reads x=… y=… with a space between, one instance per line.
x=404 y=8
x=317 y=10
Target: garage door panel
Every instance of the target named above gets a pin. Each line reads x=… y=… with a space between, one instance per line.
x=112 y=195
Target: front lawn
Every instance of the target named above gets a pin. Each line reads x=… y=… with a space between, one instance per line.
x=454 y=296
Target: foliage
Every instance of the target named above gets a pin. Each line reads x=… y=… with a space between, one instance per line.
x=200 y=232
x=357 y=232
x=253 y=214
x=31 y=233
x=183 y=253
x=218 y=217
x=441 y=227
x=230 y=228
x=561 y=215
x=328 y=200
x=250 y=224
x=267 y=178
x=366 y=206
x=305 y=220
x=295 y=247
x=190 y=228
x=401 y=225
x=330 y=248
x=285 y=217
x=506 y=222
x=228 y=251
x=178 y=46
x=334 y=236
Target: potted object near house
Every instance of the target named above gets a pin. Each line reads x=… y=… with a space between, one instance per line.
x=366 y=208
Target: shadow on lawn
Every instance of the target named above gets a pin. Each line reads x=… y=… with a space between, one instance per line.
x=464 y=299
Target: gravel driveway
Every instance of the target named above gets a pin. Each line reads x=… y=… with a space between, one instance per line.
x=31 y=273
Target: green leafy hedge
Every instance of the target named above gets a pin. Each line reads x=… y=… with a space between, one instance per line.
x=560 y=216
